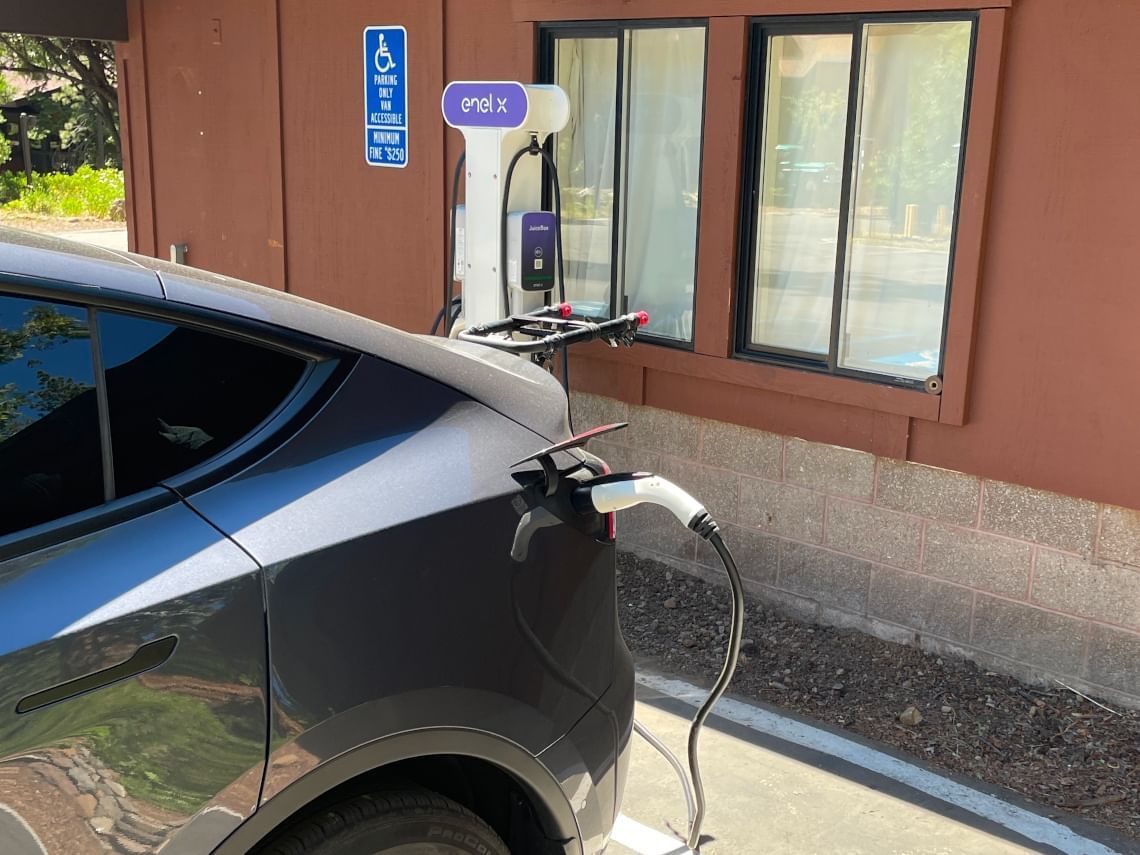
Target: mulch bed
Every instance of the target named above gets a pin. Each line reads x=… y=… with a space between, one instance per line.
x=1048 y=743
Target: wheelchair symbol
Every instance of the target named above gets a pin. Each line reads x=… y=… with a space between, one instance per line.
x=383 y=60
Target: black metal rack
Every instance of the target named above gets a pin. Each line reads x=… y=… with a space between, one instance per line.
x=541 y=333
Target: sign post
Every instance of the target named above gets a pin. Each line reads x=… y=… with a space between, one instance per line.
x=386 y=96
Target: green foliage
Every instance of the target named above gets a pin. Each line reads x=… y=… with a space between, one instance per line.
x=920 y=166
x=67 y=115
x=12 y=185
x=6 y=94
x=85 y=193
x=43 y=328
x=87 y=70
x=169 y=749
x=172 y=750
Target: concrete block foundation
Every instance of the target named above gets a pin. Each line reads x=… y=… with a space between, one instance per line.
x=1041 y=586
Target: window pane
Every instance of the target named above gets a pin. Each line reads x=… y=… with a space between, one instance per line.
x=50 y=454
x=587 y=70
x=662 y=164
x=179 y=396
x=906 y=178
x=801 y=169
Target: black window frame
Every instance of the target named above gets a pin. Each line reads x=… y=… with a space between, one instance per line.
x=326 y=366
x=760 y=29
x=549 y=33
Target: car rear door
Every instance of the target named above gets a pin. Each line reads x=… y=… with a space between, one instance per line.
x=132 y=633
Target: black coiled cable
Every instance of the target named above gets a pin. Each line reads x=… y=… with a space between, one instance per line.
x=735 y=636
x=449 y=262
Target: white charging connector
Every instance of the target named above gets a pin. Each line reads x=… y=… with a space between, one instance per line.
x=618 y=495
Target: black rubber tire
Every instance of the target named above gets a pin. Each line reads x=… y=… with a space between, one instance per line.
x=380 y=822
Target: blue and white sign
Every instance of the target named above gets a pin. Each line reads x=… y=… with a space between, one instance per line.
x=386 y=96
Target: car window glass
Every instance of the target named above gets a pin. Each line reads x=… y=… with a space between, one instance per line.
x=178 y=396
x=50 y=456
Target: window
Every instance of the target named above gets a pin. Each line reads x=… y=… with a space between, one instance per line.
x=174 y=398
x=178 y=396
x=50 y=454
x=629 y=169
x=856 y=137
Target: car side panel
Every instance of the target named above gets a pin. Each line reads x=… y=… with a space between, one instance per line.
x=130 y=762
x=385 y=528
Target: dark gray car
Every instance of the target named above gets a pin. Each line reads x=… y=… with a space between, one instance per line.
x=256 y=590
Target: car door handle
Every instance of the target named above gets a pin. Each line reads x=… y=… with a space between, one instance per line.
x=148 y=656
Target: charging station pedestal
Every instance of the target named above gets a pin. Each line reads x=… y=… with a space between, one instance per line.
x=497 y=119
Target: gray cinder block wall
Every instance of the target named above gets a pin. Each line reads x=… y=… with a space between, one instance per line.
x=1038 y=585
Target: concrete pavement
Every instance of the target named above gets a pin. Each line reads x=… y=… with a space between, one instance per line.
x=106 y=238
x=768 y=795
x=16 y=835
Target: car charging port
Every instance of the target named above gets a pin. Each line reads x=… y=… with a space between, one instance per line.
x=550 y=494
x=572 y=497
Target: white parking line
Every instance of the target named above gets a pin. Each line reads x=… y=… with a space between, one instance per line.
x=22 y=823
x=1026 y=823
x=645 y=840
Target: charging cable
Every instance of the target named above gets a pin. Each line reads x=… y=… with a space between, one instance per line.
x=536 y=150
x=449 y=262
x=610 y=493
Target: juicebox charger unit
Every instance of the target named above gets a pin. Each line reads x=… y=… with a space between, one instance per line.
x=531 y=250
x=510 y=261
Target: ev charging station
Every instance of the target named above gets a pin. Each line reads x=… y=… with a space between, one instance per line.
x=508 y=254
x=500 y=119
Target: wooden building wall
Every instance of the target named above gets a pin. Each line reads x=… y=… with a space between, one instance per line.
x=243 y=121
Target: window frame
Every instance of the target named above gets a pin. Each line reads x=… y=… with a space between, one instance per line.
x=740 y=390
x=760 y=29
x=326 y=367
x=548 y=35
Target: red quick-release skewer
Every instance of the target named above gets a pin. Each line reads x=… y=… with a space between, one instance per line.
x=642 y=318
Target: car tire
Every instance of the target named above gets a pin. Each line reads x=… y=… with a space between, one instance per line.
x=401 y=822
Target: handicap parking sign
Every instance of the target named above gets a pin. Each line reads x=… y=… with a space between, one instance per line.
x=386 y=96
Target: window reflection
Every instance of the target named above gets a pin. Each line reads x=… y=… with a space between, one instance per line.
x=653 y=173
x=662 y=167
x=906 y=181
x=179 y=396
x=801 y=173
x=901 y=128
x=50 y=454
x=584 y=152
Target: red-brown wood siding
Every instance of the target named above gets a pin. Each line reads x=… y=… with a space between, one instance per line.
x=1041 y=352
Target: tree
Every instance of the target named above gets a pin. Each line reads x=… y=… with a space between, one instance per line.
x=44 y=327
x=87 y=66
x=5 y=145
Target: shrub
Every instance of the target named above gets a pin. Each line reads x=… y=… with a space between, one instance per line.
x=86 y=192
x=12 y=184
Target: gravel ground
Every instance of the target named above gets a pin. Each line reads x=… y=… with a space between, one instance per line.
x=1050 y=744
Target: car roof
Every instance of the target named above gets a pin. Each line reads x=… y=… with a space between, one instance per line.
x=475 y=370
x=41 y=256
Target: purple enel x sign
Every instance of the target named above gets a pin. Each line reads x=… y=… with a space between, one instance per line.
x=490 y=104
